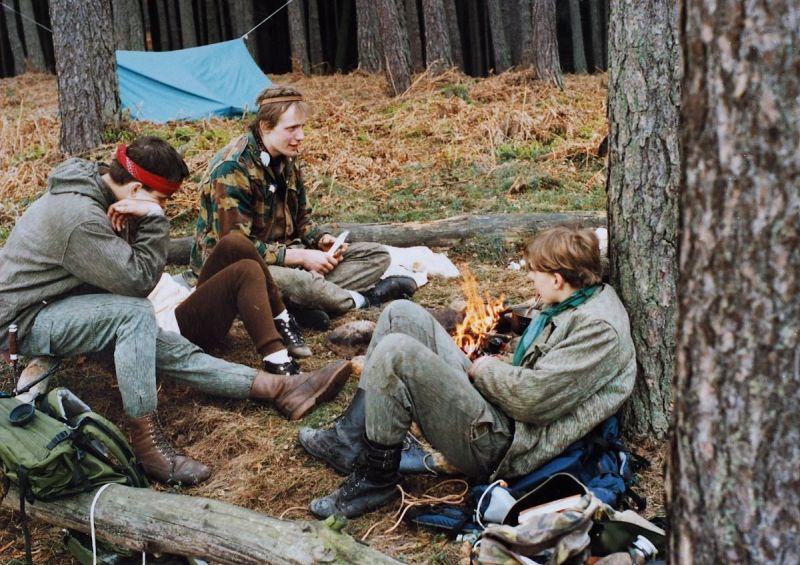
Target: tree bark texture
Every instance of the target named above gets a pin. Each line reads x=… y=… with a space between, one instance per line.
x=128 y=25
x=396 y=56
x=576 y=27
x=14 y=39
x=188 y=31
x=477 y=64
x=414 y=35
x=511 y=27
x=88 y=91
x=546 y=62
x=437 y=36
x=733 y=476
x=497 y=30
x=512 y=228
x=527 y=57
x=159 y=522
x=213 y=29
x=369 y=37
x=297 y=37
x=315 y=37
x=164 y=39
x=643 y=188
x=173 y=25
x=597 y=25
x=454 y=32
x=33 y=44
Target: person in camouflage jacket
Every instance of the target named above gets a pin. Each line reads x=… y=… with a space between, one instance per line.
x=254 y=186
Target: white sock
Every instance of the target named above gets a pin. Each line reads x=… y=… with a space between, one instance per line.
x=358 y=298
x=280 y=356
x=283 y=315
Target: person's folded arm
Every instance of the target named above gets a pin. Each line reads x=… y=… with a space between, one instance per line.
x=562 y=379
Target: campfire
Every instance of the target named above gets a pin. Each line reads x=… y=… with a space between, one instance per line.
x=480 y=318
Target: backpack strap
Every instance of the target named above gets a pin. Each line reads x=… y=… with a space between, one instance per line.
x=22 y=478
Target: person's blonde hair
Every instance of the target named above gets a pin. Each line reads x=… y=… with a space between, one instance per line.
x=270 y=112
x=571 y=252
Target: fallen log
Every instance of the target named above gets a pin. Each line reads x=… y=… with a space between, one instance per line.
x=158 y=522
x=447 y=232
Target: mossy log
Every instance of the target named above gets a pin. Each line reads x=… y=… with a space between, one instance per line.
x=512 y=228
x=159 y=522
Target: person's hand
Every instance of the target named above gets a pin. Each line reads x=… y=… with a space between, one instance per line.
x=119 y=212
x=325 y=243
x=477 y=365
x=311 y=260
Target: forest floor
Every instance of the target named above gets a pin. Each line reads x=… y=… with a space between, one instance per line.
x=450 y=145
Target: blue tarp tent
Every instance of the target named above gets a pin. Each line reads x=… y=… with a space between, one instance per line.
x=190 y=84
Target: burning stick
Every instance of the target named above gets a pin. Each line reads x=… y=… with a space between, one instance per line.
x=480 y=318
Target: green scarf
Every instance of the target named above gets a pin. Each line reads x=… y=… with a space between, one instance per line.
x=576 y=299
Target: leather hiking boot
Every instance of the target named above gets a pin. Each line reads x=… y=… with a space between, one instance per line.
x=293 y=338
x=159 y=459
x=371 y=485
x=311 y=318
x=289 y=368
x=339 y=445
x=293 y=396
x=390 y=288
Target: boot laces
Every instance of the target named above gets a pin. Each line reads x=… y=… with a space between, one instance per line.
x=290 y=331
x=162 y=445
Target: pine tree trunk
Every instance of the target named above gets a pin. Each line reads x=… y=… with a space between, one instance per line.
x=511 y=16
x=33 y=44
x=315 y=38
x=369 y=36
x=128 y=25
x=397 y=59
x=477 y=65
x=454 y=32
x=342 y=36
x=164 y=39
x=88 y=93
x=297 y=37
x=545 y=44
x=598 y=25
x=643 y=176
x=173 y=23
x=576 y=29
x=14 y=39
x=733 y=478
x=502 y=53
x=527 y=55
x=437 y=38
x=414 y=36
x=214 y=32
x=188 y=31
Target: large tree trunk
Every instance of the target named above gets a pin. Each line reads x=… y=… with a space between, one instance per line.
x=128 y=25
x=213 y=20
x=315 y=37
x=15 y=40
x=454 y=32
x=369 y=36
x=643 y=176
x=173 y=24
x=546 y=62
x=88 y=92
x=597 y=23
x=511 y=28
x=510 y=228
x=242 y=21
x=188 y=31
x=497 y=31
x=527 y=56
x=297 y=38
x=437 y=37
x=412 y=26
x=576 y=28
x=164 y=39
x=397 y=59
x=159 y=522
x=33 y=44
x=733 y=476
x=342 y=35
x=476 y=66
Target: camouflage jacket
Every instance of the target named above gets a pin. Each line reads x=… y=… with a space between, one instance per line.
x=239 y=193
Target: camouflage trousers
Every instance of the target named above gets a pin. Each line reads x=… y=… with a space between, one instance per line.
x=361 y=267
x=414 y=372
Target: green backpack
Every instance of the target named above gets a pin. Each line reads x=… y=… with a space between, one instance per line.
x=64 y=449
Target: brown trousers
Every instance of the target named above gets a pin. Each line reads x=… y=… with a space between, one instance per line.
x=234 y=281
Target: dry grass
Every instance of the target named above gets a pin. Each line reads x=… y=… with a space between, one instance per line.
x=365 y=154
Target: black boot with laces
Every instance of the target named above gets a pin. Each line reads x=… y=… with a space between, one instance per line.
x=339 y=445
x=371 y=485
x=292 y=337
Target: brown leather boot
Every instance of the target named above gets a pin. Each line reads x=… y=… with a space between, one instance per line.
x=159 y=459
x=293 y=396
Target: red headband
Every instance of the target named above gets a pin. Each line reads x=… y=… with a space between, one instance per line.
x=150 y=180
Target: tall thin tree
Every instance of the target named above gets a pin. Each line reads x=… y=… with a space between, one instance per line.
x=297 y=37
x=315 y=37
x=15 y=41
x=733 y=472
x=213 y=29
x=437 y=37
x=454 y=32
x=546 y=61
x=410 y=18
x=497 y=31
x=525 y=41
x=33 y=43
x=128 y=25
x=88 y=92
x=576 y=35
x=597 y=26
x=643 y=178
x=369 y=36
x=397 y=59
x=188 y=30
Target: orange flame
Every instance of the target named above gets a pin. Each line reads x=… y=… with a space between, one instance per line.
x=480 y=318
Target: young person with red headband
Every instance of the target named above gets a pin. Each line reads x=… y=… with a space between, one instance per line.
x=74 y=276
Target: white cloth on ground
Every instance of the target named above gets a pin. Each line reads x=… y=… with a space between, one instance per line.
x=419 y=263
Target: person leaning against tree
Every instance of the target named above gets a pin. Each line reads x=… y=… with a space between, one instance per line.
x=496 y=417
x=254 y=186
x=74 y=277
